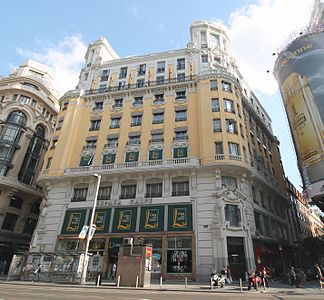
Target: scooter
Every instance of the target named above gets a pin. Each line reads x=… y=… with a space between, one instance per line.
x=217 y=279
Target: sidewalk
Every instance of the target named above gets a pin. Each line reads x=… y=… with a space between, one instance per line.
x=275 y=288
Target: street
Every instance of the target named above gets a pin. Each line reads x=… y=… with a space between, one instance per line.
x=33 y=291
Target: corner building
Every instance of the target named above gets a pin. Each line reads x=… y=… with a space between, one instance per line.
x=28 y=107
x=187 y=157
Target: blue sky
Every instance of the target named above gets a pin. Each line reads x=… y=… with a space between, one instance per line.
x=58 y=32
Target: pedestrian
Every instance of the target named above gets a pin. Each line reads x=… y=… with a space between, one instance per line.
x=319 y=275
x=265 y=277
x=113 y=271
x=302 y=278
x=37 y=272
x=292 y=276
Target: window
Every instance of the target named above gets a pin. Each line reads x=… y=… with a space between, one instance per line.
x=229 y=106
x=14 y=97
x=140 y=83
x=95 y=125
x=134 y=140
x=214 y=40
x=219 y=150
x=91 y=143
x=179 y=256
x=180 y=187
x=115 y=122
x=104 y=75
x=181 y=135
x=215 y=105
x=16 y=202
x=204 y=58
x=217 y=126
x=128 y=191
x=30 y=225
x=181 y=77
x=80 y=194
x=121 y=85
x=159 y=98
x=233 y=215
x=36 y=74
x=181 y=115
x=160 y=79
x=228 y=181
x=241 y=131
x=98 y=105
x=104 y=193
x=141 y=70
x=157 y=137
x=138 y=100
x=226 y=86
x=231 y=125
x=34 y=208
x=9 y=222
x=136 y=120
x=181 y=63
x=24 y=99
x=33 y=103
x=118 y=103
x=158 y=117
x=213 y=85
x=203 y=39
x=60 y=124
x=123 y=73
x=180 y=95
x=112 y=141
x=160 y=67
x=49 y=162
x=153 y=190
x=234 y=150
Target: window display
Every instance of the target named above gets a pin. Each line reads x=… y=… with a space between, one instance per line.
x=179 y=255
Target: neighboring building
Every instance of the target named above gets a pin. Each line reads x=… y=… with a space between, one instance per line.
x=316 y=222
x=187 y=156
x=28 y=107
x=299 y=214
x=299 y=71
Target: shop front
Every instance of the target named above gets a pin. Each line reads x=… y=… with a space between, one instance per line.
x=168 y=229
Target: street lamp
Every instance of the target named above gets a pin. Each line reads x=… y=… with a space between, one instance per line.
x=91 y=225
x=282 y=261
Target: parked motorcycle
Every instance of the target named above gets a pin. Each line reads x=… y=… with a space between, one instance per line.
x=217 y=279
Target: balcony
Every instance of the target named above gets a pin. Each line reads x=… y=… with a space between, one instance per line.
x=104 y=78
x=117 y=105
x=146 y=84
x=153 y=165
x=78 y=198
x=111 y=145
x=136 y=124
x=180 y=193
x=181 y=97
x=128 y=196
x=153 y=195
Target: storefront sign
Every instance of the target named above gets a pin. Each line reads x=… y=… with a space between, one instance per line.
x=74 y=221
x=152 y=218
x=179 y=217
x=125 y=219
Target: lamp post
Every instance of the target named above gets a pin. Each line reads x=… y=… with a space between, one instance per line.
x=85 y=259
x=282 y=261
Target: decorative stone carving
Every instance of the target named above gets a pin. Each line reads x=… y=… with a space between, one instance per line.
x=132 y=148
x=180 y=144
x=109 y=150
x=231 y=194
x=156 y=146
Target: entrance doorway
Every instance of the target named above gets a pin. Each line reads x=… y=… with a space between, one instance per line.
x=236 y=257
x=113 y=249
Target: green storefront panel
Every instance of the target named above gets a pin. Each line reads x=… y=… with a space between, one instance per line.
x=155 y=154
x=124 y=219
x=73 y=221
x=152 y=219
x=131 y=156
x=101 y=219
x=179 y=217
x=86 y=160
x=108 y=159
x=180 y=152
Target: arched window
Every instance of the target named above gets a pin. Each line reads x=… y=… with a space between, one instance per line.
x=30 y=163
x=9 y=139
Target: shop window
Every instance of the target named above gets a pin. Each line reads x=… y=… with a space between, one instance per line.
x=233 y=215
x=179 y=255
x=156 y=244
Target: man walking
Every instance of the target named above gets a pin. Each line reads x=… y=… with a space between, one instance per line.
x=37 y=272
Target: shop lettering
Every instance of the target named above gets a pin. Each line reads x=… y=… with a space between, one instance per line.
x=293 y=54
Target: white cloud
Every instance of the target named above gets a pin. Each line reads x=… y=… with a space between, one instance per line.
x=66 y=59
x=258 y=30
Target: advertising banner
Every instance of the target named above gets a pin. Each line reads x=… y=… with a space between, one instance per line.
x=299 y=71
x=74 y=221
x=125 y=219
x=152 y=218
x=179 y=217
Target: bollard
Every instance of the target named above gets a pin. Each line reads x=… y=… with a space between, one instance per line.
x=186 y=282
x=161 y=282
x=241 y=288
x=136 y=281
x=211 y=284
x=118 y=280
x=98 y=280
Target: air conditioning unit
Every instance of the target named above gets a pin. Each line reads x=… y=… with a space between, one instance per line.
x=128 y=241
